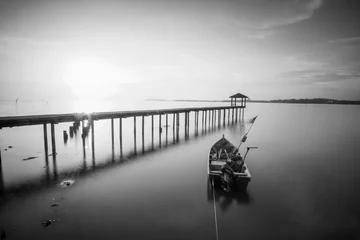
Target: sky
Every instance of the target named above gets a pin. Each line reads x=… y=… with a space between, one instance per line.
x=179 y=49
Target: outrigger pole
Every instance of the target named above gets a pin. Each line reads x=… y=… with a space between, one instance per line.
x=248 y=148
x=245 y=136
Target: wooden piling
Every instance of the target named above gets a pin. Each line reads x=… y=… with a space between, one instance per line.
x=209 y=119
x=53 y=145
x=160 y=130
x=167 y=126
x=112 y=136
x=120 y=135
x=185 y=124
x=232 y=116
x=135 y=135
x=229 y=116
x=224 y=118
x=236 y=115
x=152 y=132
x=93 y=139
x=177 y=126
x=205 y=121
x=173 y=127
x=219 y=118
x=212 y=119
x=71 y=131
x=46 y=145
x=197 y=123
x=143 y=133
x=202 y=119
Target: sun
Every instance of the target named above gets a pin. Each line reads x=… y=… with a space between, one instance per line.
x=92 y=78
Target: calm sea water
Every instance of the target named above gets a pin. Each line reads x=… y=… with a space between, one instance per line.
x=306 y=180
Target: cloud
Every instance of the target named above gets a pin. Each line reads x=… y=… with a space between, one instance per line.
x=346 y=42
x=271 y=14
x=257 y=19
x=309 y=77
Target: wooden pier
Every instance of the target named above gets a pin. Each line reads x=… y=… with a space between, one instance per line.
x=211 y=118
x=208 y=114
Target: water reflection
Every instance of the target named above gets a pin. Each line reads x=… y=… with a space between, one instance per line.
x=1 y=179
x=226 y=199
x=53 y=176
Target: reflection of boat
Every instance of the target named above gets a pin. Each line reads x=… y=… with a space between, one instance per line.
x=225 y=158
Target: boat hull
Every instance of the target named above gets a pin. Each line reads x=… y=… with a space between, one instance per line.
x=240 y=179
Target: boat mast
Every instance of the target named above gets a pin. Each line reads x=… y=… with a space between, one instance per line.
x=245 y=136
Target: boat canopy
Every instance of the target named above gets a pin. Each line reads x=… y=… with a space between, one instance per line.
x=223 y=143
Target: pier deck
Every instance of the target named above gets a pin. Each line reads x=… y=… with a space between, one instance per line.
x=16 y=121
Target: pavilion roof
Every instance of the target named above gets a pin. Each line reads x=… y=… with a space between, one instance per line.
x=238 y=95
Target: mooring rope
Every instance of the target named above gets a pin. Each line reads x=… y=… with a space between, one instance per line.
x=215 y=215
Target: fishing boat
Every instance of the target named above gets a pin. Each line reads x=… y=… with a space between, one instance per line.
x=228 y=165
x=223 y=154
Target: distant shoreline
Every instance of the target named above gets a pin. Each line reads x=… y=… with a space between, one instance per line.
x=298 y=101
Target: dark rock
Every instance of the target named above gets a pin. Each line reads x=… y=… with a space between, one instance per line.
x=47 y=223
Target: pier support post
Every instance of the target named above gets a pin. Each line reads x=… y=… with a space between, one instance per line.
x=177 y=126
x=134 y=135
x=219 y=118
x=120 y=138
x=210 y=119
x=173 y=127
x=93 y=140
x=45 y=145
x=166 y=126
x=53 y=150
x=232 y=116
x=197 y=123
x=224 y=118
x=236 y=115
x=53 y=145
x=143 y=133
x=160 y=130
x=152 y=132
x=83 y=141
x=185 y=125
x=229 y=116
x=202 y=120
x=112 y=137
x=205 y=121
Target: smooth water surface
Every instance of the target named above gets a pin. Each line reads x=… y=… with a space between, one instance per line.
x=305 y=185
